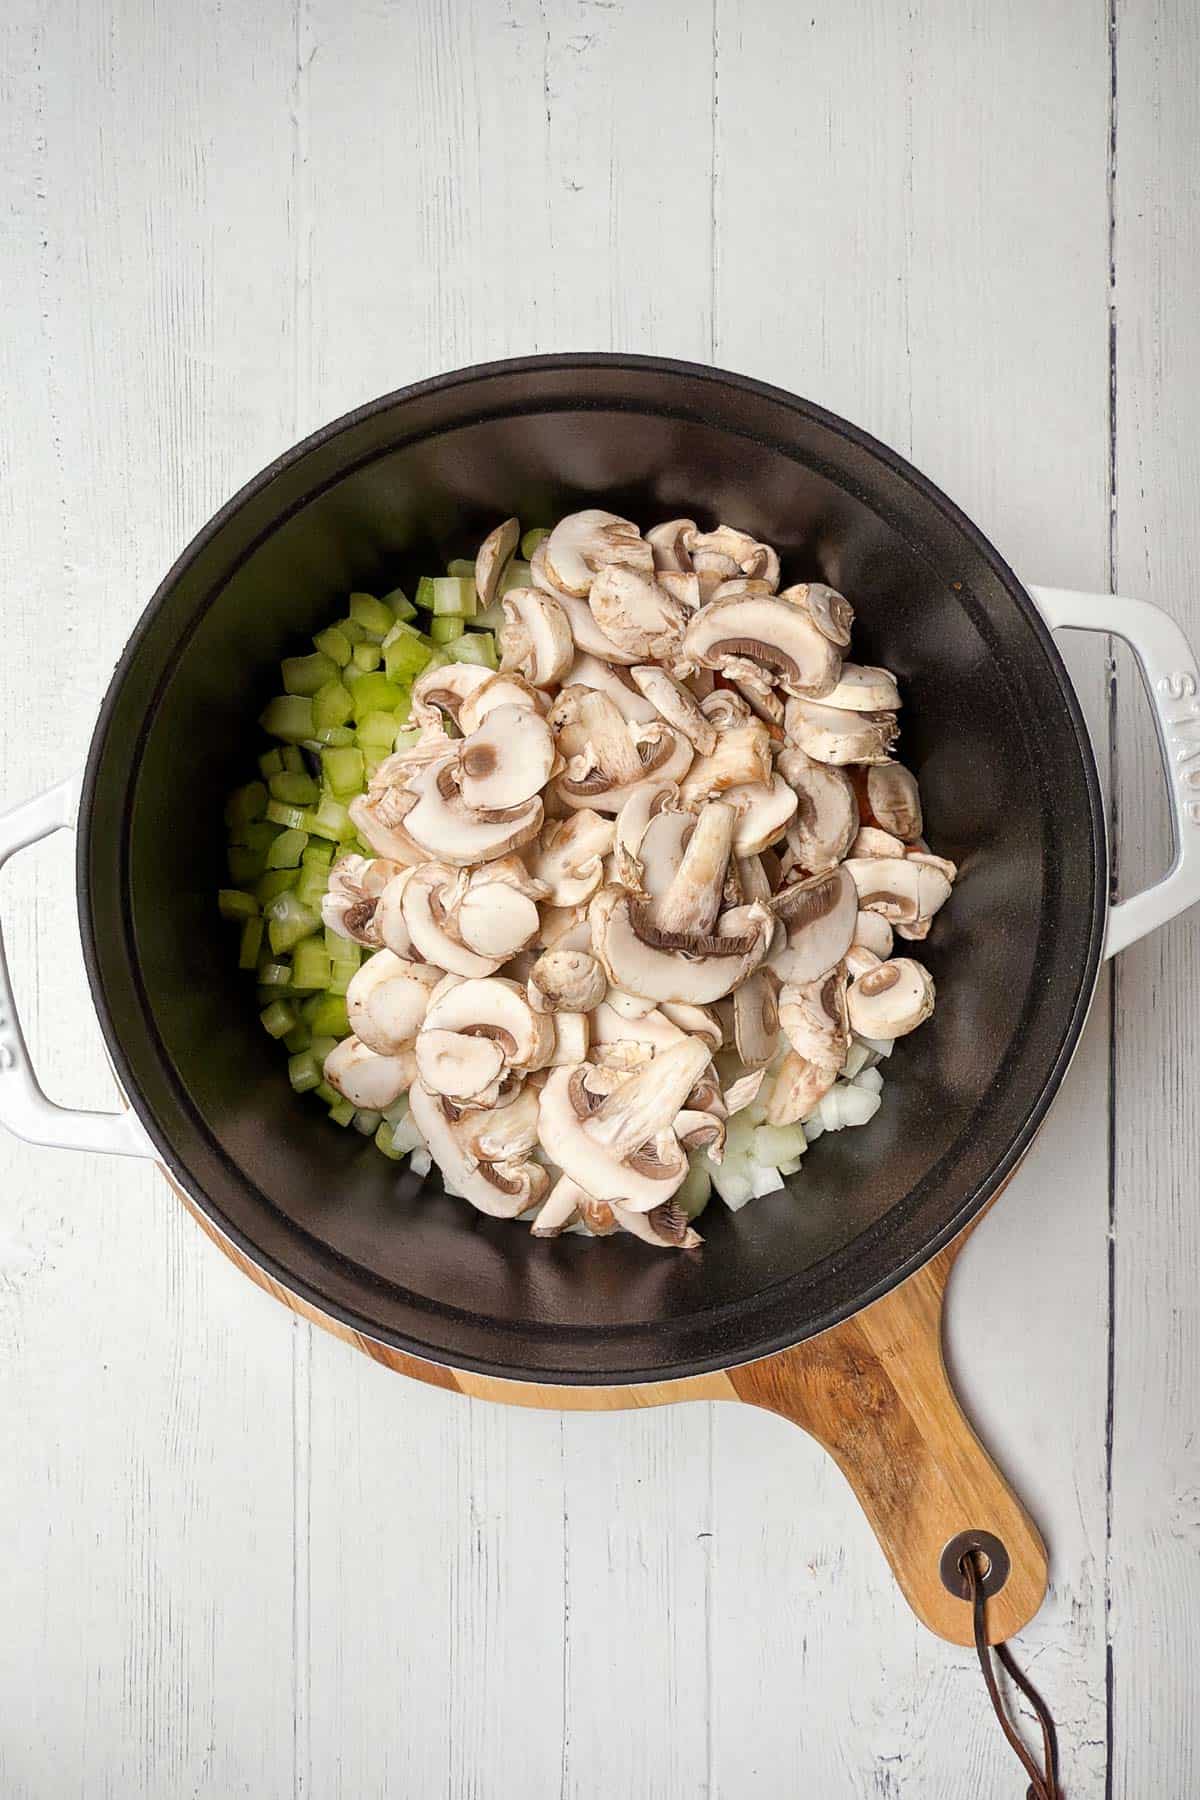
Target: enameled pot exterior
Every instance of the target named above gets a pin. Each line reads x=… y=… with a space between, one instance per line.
x=992 y=727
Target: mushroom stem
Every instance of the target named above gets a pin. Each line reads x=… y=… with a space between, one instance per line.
x=648 y=1102
x=693 y=900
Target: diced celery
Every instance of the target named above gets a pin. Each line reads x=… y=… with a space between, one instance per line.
x=303 y=1072
x=490 y=619
x=447 y=594
x=517 y=575
x=531 y=539
x=288 y=922
x=306 y=674
x=251 y=944
x=275 y=975
x=325 y=1016
x=310 y=889
x=293 y=759
x=402 y=607
x=292 y=818
x=377 y=733
x=406 y=654
x=343 y=969
x=366 y=1122
x=290 y=718
x=278 y=1018
x=245 y=805
x=334 y=644
x=375 y=693
x=318 y=852
x=406 y=739
x=342 y=1113
x=332 y=706
x=331 y=820
x=367 y=656
x=447 y=627
x=373 y=615
x=271 y=763
x=335 y=737
x=259 y=836
x=383 y=1141
x=463 y=566
x=474 y=647
x=298 y=1038
x=343 y=770
x=268 y=887
x=234 y=904
x=294 y=790
x=245 y=865
x=310 y=967
x=286 y=851
x=322 y=1046
x=351 y=630
x=399 y=1109
x=329 y=1095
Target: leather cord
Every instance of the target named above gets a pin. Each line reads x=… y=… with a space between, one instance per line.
x=1043 y=1780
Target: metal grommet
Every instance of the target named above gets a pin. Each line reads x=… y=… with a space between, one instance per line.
x=994 y=1556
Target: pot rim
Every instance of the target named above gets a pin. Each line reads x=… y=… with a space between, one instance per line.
x=971 y=1204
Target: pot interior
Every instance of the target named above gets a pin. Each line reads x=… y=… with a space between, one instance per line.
x=990 y=726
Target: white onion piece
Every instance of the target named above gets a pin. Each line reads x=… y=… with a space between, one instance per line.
x=845 y=1104
x=857 y=1058
x=765 y=1181
x=870 y=1079
x=881 y=1046
x=420 y=1162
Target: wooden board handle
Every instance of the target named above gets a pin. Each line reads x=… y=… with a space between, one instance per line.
x=874 y=1391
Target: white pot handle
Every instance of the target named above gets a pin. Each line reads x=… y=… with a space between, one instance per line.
x=24 y=1108
x=1172 y=680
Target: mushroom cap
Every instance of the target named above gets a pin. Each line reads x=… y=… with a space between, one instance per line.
x=635 y=613
x=501 y=1133
x=426 y=900
x=862 y=688
x=798 y=1089
x=872 y=932
x=829 y=611
x=892 y=1000
x=456 y=1064
x=763 y=813
x=587 y=541
x=668 y=544
x=677 y=706
x=570 y=980
x=501 y=687
x=646 y=801
x=565 y=928
x=588 y=671
x=442 y=825
x=871 y=841
x=781 y=639
x=443 y=690
x=698 y=1021
x=904 y=891
x=895 y=800
x=826 y=816
x=569 y=857
x=386 y=1001
x=493 y=557
x=674 y=967
x=502 y=1188
x=495 y=1008
x=725 y=553
x=812 y=1016
x=831 y=735
x=742 y=755
x=496 y=919
x=572 y=1038
x=665 y=1226
x=623 y=1145
x=818 y=916
x=368 y=1081
x=507 y=760
x=535 y=639
x=350 y=902
x=756 y=1020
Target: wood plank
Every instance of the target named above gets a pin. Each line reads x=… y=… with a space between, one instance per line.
x=146 y=1480
x=920 y=264
x=1154 y=1580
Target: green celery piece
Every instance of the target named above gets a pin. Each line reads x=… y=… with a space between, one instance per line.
x=335 y=737
x=517 y=575
x=325 y=1015
x=402 y=607
x=332 y=706
x=334 y=644
x=375 y=693
x=367 y=1122
x=531 y=539
x=293 y=759
x=310 y=889
x=342 y=1113
x=292 y=818
x=453 y=594
x=343 y=770
x=294 y=790
x=318 y=852
x=290 y=717
x=373 y=615
x=245 y=805
x=406 y=654
x=322 y=1046
x=234 y=904
x=367 y=656
x=474 y=647
x=288 y=923
x=310 y=967
x=445 y=628
x=278 y=1018
x=244 y=865
x=271 y=763
x=286 y=851
x=251 y=943
x=329 y=1095
x=273 y=975
x=274 y=882
x=377 y=733
x=303 y=1072
x=331 y=820
x=383 y=1141
x=462 y=566
x=298 y=1038
x=258 y=836
x=306 y=674
x=351 y=630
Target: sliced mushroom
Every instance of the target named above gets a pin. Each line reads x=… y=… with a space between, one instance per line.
x=457 y=1065
x=930 y=861
x=365 y=1079
x=351 y=898
x=497 y=917
x=763 y=814
x=872 y=931
x=892 y=1000
x=677 y=706
x=589 y=639
x=831 y=736
x=830 y=612
x=799 y=1088
x=668 y=544
x=818 y=916
x=493 y=557
x=572 y=1038
x=651 y=1031
x=858 y=958
x=895 y=800
x=535 y=639
x=499 y=688
x=646 y=801
x=768 y=632
x=902 y=890
x=682 y=587
x=502 y=1188
x=812 y=1015
x=636 y=614
x=570 y=856
x=743 y=587
x=379 y=817
x=565 y=928
x=497 y=1009
x=588 y=671
x=501 y=1133
x=507 y=760
x=442 y=824
x=744 y=1091
x=645 y=961
x=592 y=735
x=569 y=980
x=666 y=1226
x=690 y=904
x=442 y=692
x=756 y=1020
x=420 y=908
x=559 y=1209
x=624 y=1147
x=386 y=1001
x=742 y=756
x=871 y=841
x=726 y=553
x=698 y=1021
x=599 y=778
x=585 y=542
x=864 y=689
x=826 y=816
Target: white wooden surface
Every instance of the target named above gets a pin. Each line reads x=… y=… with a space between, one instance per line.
x=238 y=1559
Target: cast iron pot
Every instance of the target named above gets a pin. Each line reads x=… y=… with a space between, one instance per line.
x=991 y=726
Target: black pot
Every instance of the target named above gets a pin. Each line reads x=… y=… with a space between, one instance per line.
x=991 y=726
